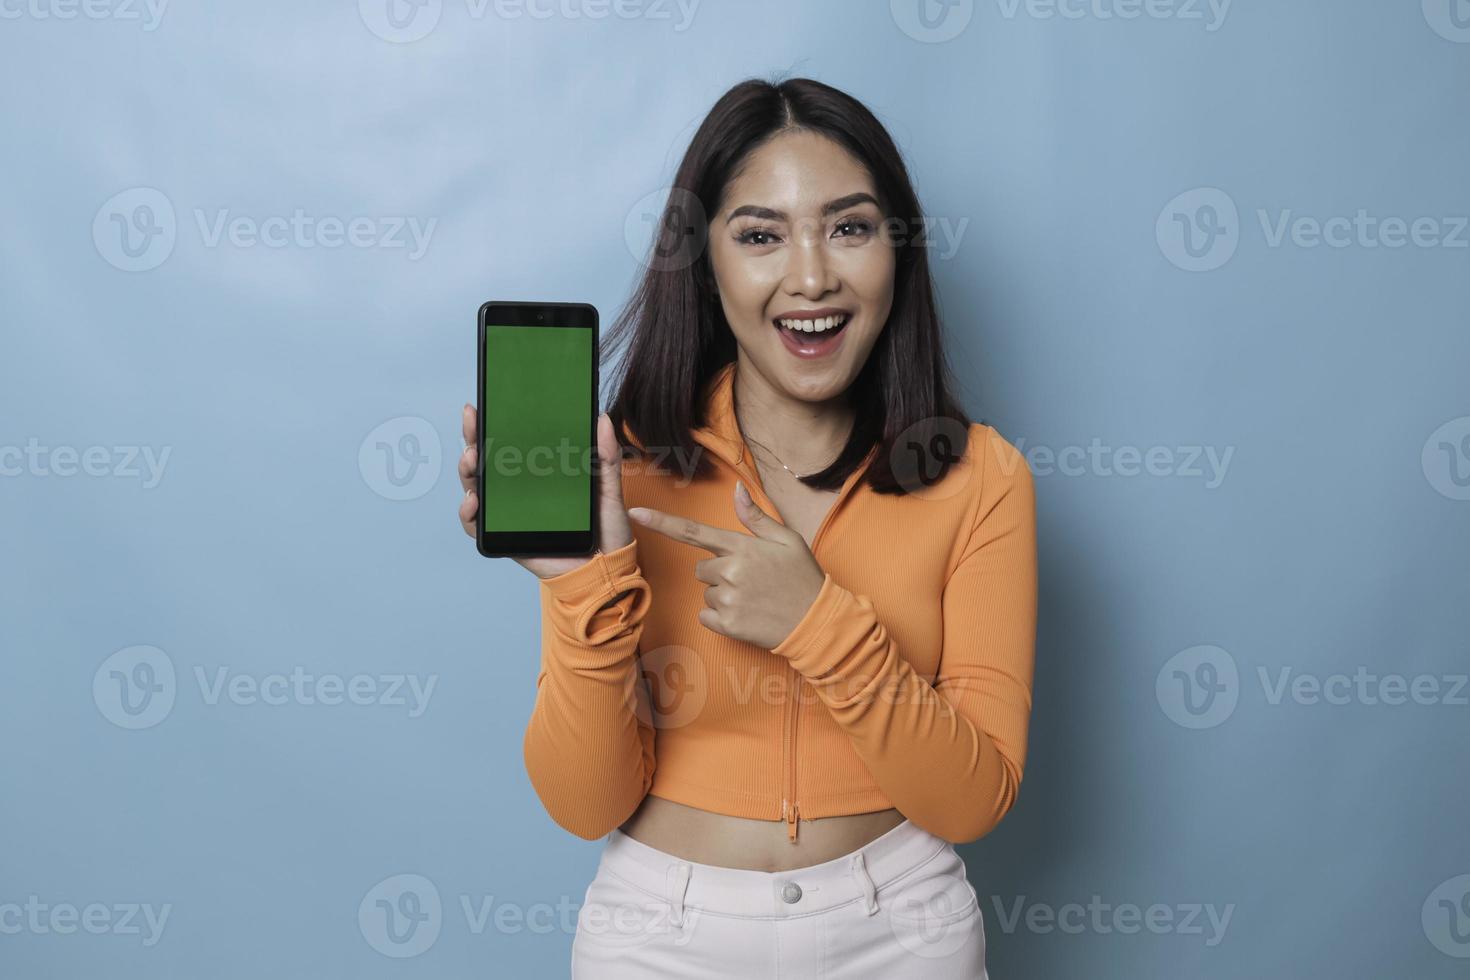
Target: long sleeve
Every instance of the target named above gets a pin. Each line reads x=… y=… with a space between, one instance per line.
x=589 y=745
x=950 y=755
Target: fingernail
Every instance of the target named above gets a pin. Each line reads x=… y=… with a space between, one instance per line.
x=638 y=514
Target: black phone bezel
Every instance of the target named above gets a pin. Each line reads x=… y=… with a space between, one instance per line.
x=535 y=544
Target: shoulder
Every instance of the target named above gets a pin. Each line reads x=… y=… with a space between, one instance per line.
x=994 y=457
x=998 y=498
x=999 y=471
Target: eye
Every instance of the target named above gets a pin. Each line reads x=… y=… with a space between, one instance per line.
x=756 y=236
x=856 y=227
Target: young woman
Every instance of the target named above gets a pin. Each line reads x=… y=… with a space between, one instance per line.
x=804 y=674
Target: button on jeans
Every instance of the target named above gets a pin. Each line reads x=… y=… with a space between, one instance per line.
x=899 y=907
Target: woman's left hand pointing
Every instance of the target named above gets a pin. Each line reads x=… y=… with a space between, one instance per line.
x=760 y=584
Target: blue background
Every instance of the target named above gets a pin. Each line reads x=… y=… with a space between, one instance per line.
x=1336 y=540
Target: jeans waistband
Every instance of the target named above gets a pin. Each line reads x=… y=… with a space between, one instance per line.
x=855 y=876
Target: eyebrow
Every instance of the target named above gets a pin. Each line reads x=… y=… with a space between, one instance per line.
x=770 y=214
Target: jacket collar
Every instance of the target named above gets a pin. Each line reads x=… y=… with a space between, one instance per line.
x=721 y=432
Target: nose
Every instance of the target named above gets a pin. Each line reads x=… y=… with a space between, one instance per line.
x=809 y=273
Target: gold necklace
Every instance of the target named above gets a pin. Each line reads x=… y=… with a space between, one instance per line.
x=768 y=449
x=777 y=458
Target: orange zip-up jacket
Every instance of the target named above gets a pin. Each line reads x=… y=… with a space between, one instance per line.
x=906 y=684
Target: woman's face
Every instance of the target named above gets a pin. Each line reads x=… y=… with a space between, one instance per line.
x=798 y=234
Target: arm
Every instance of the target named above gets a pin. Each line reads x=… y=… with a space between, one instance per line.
x=949 y=755
x=589 y=748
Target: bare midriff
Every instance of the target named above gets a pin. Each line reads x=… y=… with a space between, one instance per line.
x=756 y=845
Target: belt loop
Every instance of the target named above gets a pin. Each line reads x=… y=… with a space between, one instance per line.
x=860 y=872
x=677 y=887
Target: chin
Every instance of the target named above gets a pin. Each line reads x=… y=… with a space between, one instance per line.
x=814 y=383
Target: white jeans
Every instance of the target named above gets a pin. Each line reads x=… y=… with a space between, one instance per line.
x=899 y=907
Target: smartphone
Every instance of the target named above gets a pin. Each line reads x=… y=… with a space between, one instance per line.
x=537 y=412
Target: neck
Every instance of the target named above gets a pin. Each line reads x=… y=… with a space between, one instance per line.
x=806 y=435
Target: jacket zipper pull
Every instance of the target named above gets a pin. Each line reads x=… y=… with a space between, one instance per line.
x=791 y=820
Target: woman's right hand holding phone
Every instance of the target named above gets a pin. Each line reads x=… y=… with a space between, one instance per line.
x=614 y=530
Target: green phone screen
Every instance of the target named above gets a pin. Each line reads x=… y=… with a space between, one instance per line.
x=537 y=411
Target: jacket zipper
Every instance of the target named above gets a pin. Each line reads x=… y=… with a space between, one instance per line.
x=794 y=687
x=790 y=808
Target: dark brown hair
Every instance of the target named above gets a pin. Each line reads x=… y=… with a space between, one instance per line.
x=679 y=335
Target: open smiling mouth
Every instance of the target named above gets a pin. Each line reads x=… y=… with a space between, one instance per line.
x=812 y=338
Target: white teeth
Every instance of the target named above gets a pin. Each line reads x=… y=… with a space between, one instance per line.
x=813 y=326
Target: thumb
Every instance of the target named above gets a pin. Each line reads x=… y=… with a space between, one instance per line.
x=609 y=463
x=761 y=524
x=614 y=531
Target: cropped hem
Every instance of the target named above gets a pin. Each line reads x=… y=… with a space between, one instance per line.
x=734 y=803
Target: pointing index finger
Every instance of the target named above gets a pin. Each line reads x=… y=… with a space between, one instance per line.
x=686 y=529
